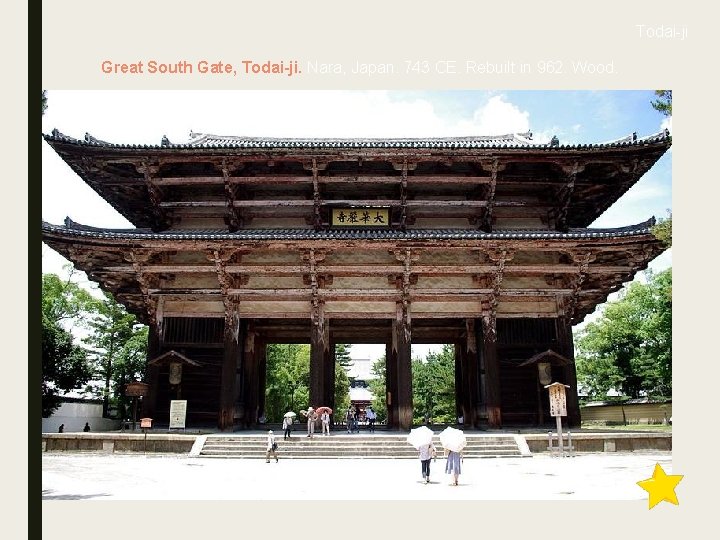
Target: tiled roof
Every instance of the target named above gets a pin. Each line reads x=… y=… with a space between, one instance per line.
x=75 y=229
x=515 y=140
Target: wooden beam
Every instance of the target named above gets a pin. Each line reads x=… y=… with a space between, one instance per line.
x=155 y=195
x=366 y=270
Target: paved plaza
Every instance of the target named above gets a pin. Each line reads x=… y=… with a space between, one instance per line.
x=96 y=476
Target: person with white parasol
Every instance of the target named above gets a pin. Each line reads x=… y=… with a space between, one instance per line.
x=453 y=441
x=421 y=439
x=287 y=424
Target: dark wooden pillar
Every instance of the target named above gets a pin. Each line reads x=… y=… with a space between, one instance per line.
x=391 y=386
x=461 y=395
x=149 y=402
x=232 y=360
x=238 y=402
x=317 y=365
x=262 y=380
x=472 y=363
x=404 y=378
x=567 y=349
x=491 y=366
x=253 y=349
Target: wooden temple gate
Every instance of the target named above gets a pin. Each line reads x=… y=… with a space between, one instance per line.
x=479 y=242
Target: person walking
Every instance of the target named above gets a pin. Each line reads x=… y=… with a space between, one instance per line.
x=325 y=418
x=371 y=416
x=426 y=453
x=271 y=447
x=356 y=420
x=61 y=429
x=350 y=419
x=287 y=427
x=311 y=419
x=452 y=465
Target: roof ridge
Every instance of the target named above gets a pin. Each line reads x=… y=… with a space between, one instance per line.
x=507 y=140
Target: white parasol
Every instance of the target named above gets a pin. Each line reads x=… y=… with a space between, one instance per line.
x=289 y=414
x=453 y=439
x=420 y=436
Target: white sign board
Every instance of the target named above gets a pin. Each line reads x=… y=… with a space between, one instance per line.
x=558 y=405
x=178 y=410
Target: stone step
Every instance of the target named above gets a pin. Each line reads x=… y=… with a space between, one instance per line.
x=350 y=446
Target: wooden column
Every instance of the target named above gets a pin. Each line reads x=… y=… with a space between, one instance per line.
x=472 y=362
x=317 y=366
x=228 y=375
x=461 y=402
x=567 y=349
x=238 y=401
x=262 y=380
x=488 y=351
x=471 y=413
x=250 y=372
x=404 y=379
x=391 y=385
x=149 y=402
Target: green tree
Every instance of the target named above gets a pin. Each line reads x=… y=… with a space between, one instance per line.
x=65 y=366
x=630 y=347
x=378 y=389
x=434 y=386
x=663 y=103
x=342 y=382
x=663 y=230
x=129 y=366
x=112 y=330
x=287 y=384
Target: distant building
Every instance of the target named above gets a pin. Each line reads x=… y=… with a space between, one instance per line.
x=74 y=412
x=360 y=373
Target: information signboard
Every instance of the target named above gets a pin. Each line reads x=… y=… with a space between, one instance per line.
x=178 y=410
x=558 y=403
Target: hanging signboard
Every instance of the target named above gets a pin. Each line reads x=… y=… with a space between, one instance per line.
x=558 y=404
x=178 y=410
x=136 y=389
x=360 y=217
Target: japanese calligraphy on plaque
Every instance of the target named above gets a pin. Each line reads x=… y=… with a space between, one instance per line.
x=558 y=406
x=360 y=217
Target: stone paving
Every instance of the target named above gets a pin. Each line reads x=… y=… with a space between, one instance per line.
x=97 y=476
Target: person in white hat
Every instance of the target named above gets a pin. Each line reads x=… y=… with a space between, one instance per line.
x=271 y=447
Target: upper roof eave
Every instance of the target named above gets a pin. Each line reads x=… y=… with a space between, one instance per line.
x=72 y=229
x=516 y=141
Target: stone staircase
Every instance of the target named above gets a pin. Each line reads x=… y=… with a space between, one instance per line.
x=353 y=446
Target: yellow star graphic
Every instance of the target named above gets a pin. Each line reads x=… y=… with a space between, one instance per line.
x=661 y=486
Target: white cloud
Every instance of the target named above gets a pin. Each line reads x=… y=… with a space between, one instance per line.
x=498 y=117
x=666 y=124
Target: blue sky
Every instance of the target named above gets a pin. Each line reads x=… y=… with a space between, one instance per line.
x=145 y=116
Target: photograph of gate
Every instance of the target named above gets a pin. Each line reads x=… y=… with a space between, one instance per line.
x=225 y=221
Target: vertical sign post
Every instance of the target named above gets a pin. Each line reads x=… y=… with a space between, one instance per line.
x=558 y=408
x=145 y=423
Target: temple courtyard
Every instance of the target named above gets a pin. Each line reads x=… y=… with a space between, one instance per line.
x=582 y=477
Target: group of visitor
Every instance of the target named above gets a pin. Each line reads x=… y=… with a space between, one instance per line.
x=453 y=462
x=426 y=452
